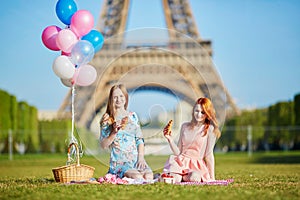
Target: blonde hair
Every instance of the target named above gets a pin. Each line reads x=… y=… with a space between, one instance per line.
x=210 y=112
x=110 y=108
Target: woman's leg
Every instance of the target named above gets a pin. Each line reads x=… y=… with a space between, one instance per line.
x=193 y=176
x=148 y=174
x=133 y=173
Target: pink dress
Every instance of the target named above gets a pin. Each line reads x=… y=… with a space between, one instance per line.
x=194 y=149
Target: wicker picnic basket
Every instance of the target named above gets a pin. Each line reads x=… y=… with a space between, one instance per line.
x=73 y=172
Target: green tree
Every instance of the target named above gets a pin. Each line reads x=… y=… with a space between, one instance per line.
x=280 y=115
x=13 y=116
x=54 y=135
x=5 y=119
x=13 y=113
x=33 y=140
x=235 y=129
x=229 y=133
x=297 y=109
x=23 y=132
x=296 y=133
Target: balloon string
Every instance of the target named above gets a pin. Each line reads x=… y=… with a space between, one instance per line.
x=73 y=113
x=73 y=138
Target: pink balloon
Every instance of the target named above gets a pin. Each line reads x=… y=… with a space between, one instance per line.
x=65 y=54
x=85 y=75
x=65 y=40
x=82 y=22
x=49 y=37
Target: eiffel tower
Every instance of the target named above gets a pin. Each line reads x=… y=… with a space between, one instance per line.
x=180 y=65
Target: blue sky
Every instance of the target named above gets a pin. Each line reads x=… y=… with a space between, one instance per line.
x=256 y=46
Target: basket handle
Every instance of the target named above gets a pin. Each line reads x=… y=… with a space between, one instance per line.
x=77 y=153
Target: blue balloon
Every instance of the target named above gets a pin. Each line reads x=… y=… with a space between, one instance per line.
x=82 y=53
x=95 y=38
x=65 y=9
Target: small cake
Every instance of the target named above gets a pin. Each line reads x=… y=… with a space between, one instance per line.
x=167 y=178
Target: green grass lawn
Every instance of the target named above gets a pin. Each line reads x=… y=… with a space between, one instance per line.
x=273 y=175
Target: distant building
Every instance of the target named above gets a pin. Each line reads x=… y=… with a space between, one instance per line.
x=47 y=114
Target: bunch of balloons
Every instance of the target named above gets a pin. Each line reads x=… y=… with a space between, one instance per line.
x=78 y=43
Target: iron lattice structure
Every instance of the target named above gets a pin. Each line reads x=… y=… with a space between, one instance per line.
x=180 y=65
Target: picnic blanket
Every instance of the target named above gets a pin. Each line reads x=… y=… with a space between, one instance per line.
x=216 y=182
x=113 y=179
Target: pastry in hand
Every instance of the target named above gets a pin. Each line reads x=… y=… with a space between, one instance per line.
x=106 y=120
x=167 y=129
x=110 y=120
x=124 y=122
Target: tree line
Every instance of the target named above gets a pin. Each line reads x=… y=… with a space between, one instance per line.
x=19 y=120
x=276 y=127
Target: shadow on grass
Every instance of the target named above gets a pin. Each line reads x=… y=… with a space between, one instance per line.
x=282 y=159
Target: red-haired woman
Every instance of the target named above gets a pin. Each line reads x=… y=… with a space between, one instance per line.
x=193 y=158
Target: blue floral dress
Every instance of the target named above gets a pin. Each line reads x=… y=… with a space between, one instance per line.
x=124 y=154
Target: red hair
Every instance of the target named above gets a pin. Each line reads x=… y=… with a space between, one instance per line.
x=210 y=112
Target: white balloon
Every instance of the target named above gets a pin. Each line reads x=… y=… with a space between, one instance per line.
x=63 y=67
x=85 y=75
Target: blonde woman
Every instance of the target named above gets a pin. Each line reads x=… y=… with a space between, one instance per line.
x=120 y=131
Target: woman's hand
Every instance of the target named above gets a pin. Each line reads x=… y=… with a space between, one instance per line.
x=168 y=137
x=116 y=126
x=104 y=120
x=105 y=142
x=141 y=164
